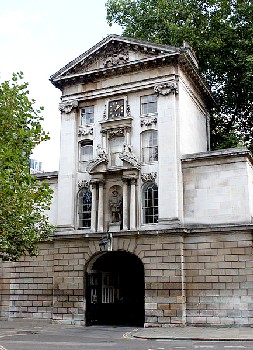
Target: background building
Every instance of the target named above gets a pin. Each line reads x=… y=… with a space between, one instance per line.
x=35 y=166
x=153 y=228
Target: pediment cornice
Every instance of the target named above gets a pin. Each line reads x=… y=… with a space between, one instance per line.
x=116 y=55
x=108 y=48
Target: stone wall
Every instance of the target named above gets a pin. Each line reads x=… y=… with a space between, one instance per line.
x=190 y=277
x=219 y=279
x=68 y=298
x=216 y=187
x=28 y=286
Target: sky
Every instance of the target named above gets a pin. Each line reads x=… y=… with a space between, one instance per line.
x=38 y=37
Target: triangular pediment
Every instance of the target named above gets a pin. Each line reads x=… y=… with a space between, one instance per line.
x=113 y=51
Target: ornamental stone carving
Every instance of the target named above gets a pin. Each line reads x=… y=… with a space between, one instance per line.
x=116 y=56
x=115 y=132
x=166 y=88
x=148 y=121
x=67 y=106
x=105 y=117
x=83 y=184
x=102 y=157
x=128 y=111
x=128 y=156
x=148 y=177
x=85 y=130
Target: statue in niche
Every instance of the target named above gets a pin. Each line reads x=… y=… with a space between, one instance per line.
x=115 y=205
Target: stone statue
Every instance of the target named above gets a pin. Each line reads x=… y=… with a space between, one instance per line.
x=101 y=152
x=115 y=205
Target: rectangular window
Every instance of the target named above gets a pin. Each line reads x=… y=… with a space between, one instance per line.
x=116 y=146
x=149 y=104
x=87 y=115
x=149 y=146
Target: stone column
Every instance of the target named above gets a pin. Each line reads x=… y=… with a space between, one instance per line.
x=101 y=207
x=125 y=204
x=133 y=205
x=94 y=207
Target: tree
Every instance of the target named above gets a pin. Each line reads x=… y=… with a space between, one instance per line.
x=23 y=223
x=221 y=34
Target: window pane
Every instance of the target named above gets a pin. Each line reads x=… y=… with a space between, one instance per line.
x=149 y=146
x=116 y=145
x=86 y=152
x=84 y=208
x=150 y=204
x=87 y=115
x=148 y=104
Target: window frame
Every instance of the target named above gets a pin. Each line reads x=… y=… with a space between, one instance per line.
x=147 y=107
x=149 y=153
x=83 y=212
x=82 y=162
x=115 y=155
x=86 y=115
x=150 y=211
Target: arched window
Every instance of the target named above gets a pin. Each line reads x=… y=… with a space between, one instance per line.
x=84 y=208
x=149 y=146
x=150 y=203
x=85 y=155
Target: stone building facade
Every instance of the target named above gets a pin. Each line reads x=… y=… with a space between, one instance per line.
x=152 y=228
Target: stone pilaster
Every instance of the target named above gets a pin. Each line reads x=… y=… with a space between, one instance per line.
x=101 y=206
x=125 y=204
x=133 y=204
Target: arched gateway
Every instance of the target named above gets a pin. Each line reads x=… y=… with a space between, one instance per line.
x=115 y=290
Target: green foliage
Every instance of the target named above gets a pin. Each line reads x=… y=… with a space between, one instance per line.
x=23 y=198
x=221 y=34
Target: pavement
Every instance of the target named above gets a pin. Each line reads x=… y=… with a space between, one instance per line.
x=25 y=326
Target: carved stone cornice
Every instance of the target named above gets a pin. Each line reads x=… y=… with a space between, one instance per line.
x=67 y=106
x=83 y=184
x=85 y=130
x=148 y=177
x=128 y=156
x=147 y=121
x=166 y=88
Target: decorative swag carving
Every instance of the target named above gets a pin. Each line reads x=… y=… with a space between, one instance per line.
x=148 y=177
x=166 y=88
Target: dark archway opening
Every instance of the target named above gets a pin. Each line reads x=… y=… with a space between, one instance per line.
x=115 y=290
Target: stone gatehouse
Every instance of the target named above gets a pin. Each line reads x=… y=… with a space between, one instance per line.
x=152 y=227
